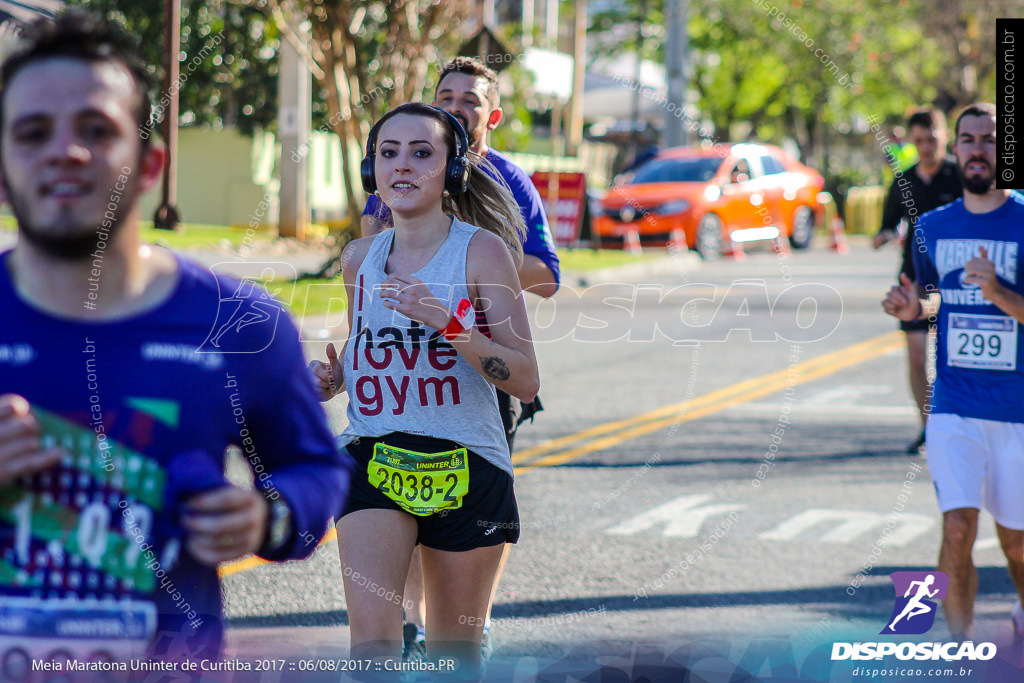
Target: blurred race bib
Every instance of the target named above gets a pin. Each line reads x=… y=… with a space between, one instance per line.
x=73 y=630
x=77 y=553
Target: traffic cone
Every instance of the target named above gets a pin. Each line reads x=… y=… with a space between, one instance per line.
x=632 y=242
x=735 y=249
x=781 y=244
x=839 y=236
x=677 y=242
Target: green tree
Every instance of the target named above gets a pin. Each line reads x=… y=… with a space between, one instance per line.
x=235 y=82
x=799 y=69
x=964 y=31
x=367 y=57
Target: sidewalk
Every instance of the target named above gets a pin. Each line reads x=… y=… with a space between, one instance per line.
x=666 y=264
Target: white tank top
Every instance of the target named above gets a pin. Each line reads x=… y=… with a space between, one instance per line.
x=402 y=376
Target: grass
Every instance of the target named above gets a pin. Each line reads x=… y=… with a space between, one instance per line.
x=595 y=259
x=316 y=296
x=198 y=236
x=187 y=236
x=201 y=236
x=312 y=296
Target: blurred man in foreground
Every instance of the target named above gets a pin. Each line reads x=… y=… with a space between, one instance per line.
x=115 y=406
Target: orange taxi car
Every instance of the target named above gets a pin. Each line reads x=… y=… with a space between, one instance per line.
x=740 y=192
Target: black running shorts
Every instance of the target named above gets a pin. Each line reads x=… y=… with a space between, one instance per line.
x=488 y=515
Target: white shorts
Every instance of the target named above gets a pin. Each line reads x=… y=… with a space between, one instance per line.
x=977 y=463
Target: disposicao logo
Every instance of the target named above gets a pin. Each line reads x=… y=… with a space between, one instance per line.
x=914 y=613
x=917 y=594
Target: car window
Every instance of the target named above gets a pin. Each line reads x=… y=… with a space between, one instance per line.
x=740 y=173
x=772 y=165
x=754 y=164
x=699 y=170
x=748 y=168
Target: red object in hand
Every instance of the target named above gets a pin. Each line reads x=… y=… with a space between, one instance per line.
x=462 y=321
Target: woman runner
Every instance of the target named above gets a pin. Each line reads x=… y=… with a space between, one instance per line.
x=433 y=465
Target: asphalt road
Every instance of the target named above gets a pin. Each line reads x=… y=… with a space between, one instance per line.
x=721 y=454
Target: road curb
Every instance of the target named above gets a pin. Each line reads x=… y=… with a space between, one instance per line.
x=674 y=264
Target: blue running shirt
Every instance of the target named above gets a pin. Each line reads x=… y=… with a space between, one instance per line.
x=92 y=554
x=980 y=355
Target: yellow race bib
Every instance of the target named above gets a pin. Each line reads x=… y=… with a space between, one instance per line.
x=420 y=483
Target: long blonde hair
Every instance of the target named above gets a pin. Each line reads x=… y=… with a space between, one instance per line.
x=489 y=203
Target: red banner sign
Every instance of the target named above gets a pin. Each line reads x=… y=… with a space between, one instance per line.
x=564 y=196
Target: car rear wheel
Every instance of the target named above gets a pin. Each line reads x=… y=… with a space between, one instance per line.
x=709 y=237
x=803 y=227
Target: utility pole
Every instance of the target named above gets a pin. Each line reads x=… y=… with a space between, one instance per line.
x=528 y=20
x=166 y=216
x=486 y=22
x=676 y=48
x=294 y=89
x=638 y=78
x=579 y=44
x=551 y=25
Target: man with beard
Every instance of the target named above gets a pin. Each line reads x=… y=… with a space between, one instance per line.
x=116 y=410
x=928 y=184
x=967 y=257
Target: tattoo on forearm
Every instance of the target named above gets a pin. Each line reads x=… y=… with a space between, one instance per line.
x=495 y=368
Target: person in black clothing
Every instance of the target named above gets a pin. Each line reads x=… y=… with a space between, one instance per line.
x=928 y=184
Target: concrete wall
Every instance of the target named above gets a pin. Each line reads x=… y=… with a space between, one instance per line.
x=222 y=177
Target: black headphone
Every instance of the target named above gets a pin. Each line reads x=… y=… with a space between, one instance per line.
x=456 y=172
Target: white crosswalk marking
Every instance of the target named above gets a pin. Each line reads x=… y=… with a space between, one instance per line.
x=854 y=394
x=848 y=525
x=990 y=543
x=910 y=527
x=683 y=518
x=852 y=523
x=829 y=412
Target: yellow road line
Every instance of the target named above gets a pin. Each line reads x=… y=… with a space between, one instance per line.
x=685 y=411
x=675 y=408
x=701 y=406
x=252 y=561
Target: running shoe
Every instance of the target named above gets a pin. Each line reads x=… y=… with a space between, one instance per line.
x=1018 y=619
x=915 y=448
x=414 y=646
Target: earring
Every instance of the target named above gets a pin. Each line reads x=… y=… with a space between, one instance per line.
x=446 y=194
